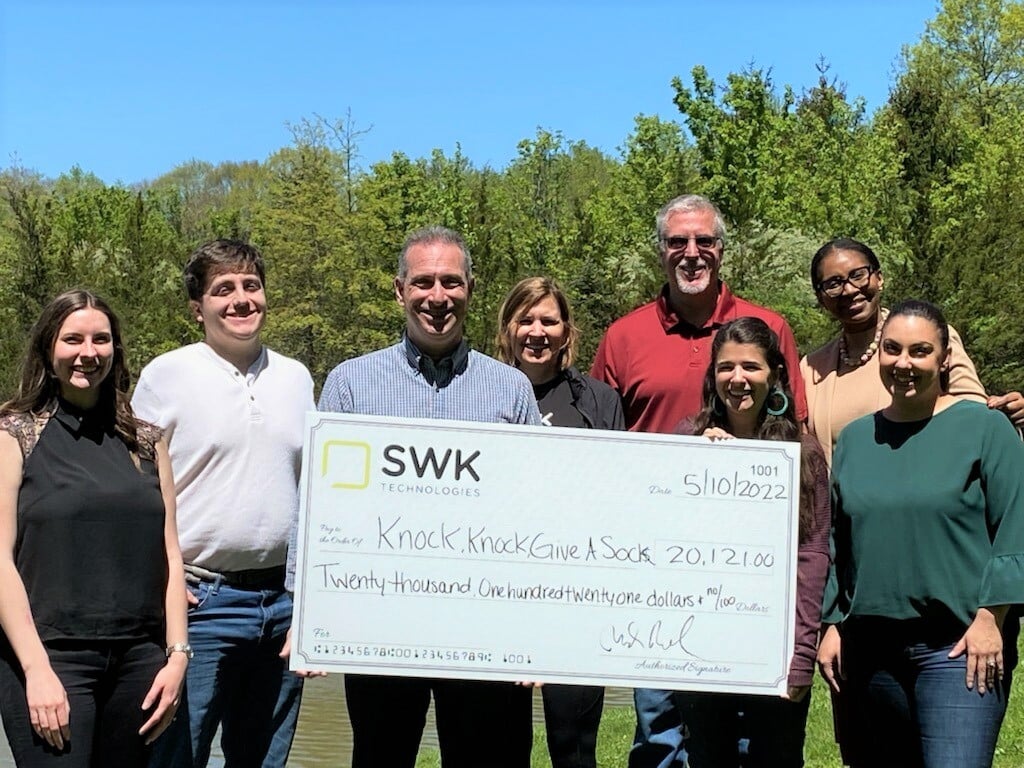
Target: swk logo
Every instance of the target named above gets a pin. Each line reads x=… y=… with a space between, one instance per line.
x=347 y=463
x=453 y=464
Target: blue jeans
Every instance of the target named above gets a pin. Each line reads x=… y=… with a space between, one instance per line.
x=907 y=703
x=658 y=742
x=236 y=681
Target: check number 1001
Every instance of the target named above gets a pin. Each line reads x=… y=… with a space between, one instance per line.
x=719 y=556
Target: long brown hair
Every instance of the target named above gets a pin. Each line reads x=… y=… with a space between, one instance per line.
x=784 y=426
x=39 y=388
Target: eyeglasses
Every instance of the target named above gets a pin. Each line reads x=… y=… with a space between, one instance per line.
x=678 y=243
x=834 y=286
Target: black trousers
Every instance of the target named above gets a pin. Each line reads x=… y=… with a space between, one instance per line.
x=479 y=724
x=572 y=716
x=105 y=683
x=774 y=726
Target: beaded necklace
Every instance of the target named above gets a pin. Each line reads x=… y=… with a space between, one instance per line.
x=844 y=355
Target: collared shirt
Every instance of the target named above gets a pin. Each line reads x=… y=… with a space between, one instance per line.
x=235 y=442
x=656 y=361
x=440 y=372
x=401 y=381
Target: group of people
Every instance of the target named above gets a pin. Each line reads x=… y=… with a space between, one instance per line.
x=146 y=558
x=144 y=539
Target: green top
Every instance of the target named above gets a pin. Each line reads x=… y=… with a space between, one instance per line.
x=928 y=516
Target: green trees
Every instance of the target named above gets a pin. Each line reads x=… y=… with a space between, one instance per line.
x=956 y=116
x=931 y=181
x=789 y=172
x=78 y=232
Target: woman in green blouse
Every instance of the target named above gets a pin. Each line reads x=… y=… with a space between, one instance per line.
x=929 y=555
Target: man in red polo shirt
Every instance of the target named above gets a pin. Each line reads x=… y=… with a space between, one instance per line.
x=655 y=357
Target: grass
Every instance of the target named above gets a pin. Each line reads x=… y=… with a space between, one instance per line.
x=820 y=750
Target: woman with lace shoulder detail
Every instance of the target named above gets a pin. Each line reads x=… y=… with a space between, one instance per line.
x=90 y=668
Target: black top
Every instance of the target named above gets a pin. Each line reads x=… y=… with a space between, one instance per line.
x=573 y=399
x=90 y=542
x=556 y=404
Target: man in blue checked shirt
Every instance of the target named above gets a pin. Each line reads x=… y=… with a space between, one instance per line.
x=432 y=373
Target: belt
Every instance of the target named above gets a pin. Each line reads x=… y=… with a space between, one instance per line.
x=254 y=578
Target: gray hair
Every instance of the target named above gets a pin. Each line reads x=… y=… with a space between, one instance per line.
x=429 y=235
x=685 y=204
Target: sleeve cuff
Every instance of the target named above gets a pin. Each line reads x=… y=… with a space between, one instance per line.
x=1002 y=581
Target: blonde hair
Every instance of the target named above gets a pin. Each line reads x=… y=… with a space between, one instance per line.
x=523 y=297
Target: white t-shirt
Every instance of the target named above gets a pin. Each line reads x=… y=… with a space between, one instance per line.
x=236 y=447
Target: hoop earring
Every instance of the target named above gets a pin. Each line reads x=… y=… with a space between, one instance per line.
x=783 y=406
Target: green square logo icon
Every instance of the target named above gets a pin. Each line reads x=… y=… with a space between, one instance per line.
x=346 y=464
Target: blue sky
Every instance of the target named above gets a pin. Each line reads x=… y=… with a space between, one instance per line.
x=128 y=91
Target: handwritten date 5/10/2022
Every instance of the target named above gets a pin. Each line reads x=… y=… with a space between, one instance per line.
x=754 y=483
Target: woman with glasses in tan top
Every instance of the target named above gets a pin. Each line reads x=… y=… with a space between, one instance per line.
x=841 y=379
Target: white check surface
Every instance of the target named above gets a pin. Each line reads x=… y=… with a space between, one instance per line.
x=501 y=552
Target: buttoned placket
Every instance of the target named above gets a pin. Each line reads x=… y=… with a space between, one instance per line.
x=248 y=383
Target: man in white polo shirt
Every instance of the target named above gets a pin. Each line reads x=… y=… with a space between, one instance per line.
x=232 y=411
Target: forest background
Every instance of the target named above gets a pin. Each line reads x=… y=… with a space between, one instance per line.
x=932 y=181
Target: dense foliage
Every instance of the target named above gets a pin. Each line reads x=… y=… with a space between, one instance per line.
x=932 y=182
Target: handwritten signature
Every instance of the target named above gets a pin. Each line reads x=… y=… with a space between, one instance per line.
x=657 y=636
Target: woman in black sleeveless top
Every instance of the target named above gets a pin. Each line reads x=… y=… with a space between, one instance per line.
x=94 y=641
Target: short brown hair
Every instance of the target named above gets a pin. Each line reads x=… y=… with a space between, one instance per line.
x=522 y=297
x=219 y=256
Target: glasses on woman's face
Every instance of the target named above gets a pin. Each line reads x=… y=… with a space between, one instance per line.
x=834 y=286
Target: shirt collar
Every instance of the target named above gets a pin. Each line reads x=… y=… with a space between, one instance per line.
x=442 y=371
x=724 y=310
x=253 y=371
x=94 y=421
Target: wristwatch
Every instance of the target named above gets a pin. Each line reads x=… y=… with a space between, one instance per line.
x=180 y=648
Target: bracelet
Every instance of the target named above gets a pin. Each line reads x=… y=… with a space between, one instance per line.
x=180 y=648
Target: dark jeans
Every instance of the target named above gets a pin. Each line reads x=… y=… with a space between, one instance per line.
x=717 y=721
x=907 y=703
x=572 y=714
x=478 y=723
x=105 y=683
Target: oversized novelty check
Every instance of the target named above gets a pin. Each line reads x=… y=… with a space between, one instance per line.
x=503 y=552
